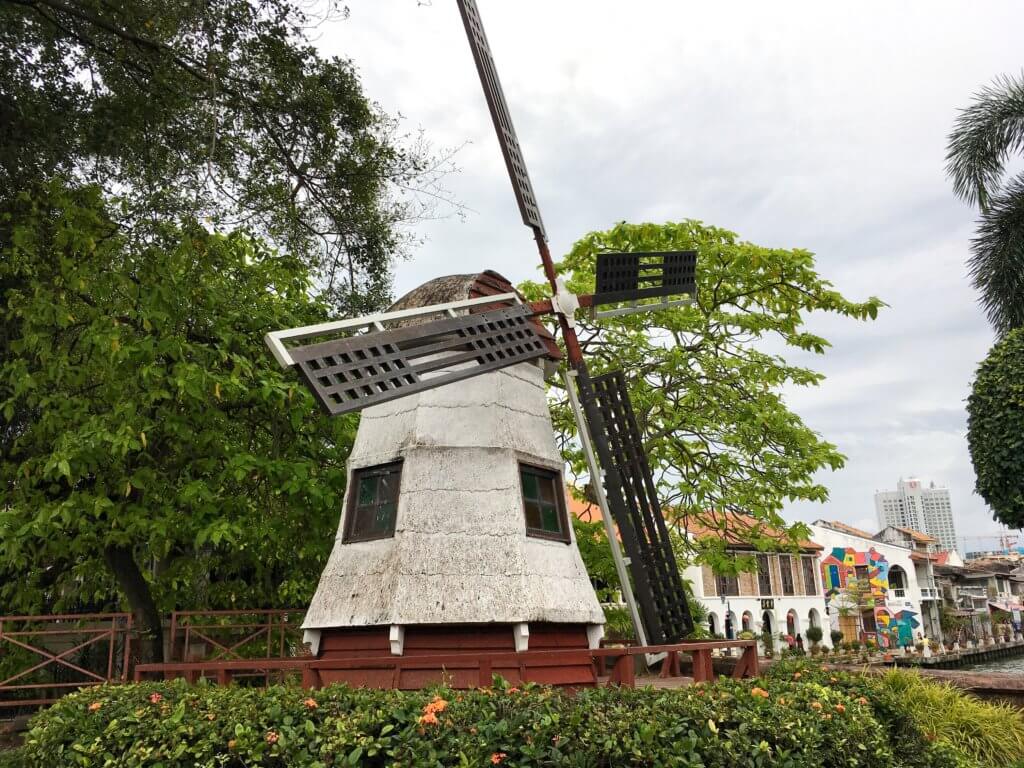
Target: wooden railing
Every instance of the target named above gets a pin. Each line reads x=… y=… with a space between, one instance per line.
x=44 y=657
x=236 y=634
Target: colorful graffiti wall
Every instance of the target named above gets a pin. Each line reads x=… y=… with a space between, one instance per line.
x=845 y=564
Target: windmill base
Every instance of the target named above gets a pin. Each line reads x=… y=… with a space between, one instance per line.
x=460 y=656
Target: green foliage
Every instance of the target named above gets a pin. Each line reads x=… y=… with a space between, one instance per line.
x=985 y=135
x=814 y=634
x=926 y=717
x=219 y=110
x=717 y=430
x=837 y=637
x=728 y=723
x=995 y=429
x=149 y=437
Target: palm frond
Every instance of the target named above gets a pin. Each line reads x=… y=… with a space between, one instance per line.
x=984 y=136
x=996 y=264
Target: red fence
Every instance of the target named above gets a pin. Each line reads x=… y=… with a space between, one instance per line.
x=223 y=635
x=44 y=657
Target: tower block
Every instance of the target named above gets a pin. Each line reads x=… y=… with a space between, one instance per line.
x=455 y=539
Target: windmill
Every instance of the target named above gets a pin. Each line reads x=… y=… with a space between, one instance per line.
x=417 y=349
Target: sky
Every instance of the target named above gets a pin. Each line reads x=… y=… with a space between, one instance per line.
x=799 y=124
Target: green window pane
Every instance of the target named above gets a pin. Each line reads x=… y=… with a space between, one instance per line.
x=547 y=489
x=530 y=483
x=384 y=520
x=533 y=516
x=388 y=488
x=367 y=491
x=363 y=524
x=549 y=515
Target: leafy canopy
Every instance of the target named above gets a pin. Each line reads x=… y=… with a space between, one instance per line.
x=717 y=430
x=158 y=429
x=217 y=110
x=995 y=429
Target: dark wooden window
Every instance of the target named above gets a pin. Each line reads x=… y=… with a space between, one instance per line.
x=810 y=565
x=544 y=503
x=764 y=575
x=786 y=566
x=373 y=503
x=728 y=586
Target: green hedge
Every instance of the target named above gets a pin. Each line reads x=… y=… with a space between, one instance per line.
x=797 y=716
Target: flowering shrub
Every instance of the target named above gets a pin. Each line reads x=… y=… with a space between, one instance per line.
x=773 y=721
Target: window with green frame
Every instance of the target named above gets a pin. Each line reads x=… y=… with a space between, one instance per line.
x=544 y=503
x=373 y=503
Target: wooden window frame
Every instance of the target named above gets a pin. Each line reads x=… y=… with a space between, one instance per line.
x=563 y=516
x=786 y=562
x=809 y=565
x=767 y=573
x=392 y=467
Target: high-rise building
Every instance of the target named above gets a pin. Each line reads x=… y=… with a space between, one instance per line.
x=923 y=509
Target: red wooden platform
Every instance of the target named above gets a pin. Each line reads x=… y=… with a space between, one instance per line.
x=466 y=670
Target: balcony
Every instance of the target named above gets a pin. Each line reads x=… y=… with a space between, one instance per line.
x=929 y=593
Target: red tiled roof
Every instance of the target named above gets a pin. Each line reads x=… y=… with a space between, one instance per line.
x=924 y=538
x=920 y=556
x=850 y=529
x=732 y=527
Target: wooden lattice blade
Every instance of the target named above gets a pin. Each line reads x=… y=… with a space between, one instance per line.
x=507 y=138
x=635 y=276
x=633 y=502
x=352 y=373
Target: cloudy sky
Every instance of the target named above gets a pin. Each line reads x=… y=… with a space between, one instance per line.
x=798 y=124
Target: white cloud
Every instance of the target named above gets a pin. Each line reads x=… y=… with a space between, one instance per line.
x=807 y=124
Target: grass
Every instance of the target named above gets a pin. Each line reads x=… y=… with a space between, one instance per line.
x=990 y=733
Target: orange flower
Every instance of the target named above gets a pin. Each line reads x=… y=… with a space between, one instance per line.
x=862 y=700
x=513 y=690
x=211 y=716
x=272 y=737
x=155 y=698
x=781 y=700
x=310 y=703
x=815 y=705
x=497 y=757
x=232 y=743
x=95 y=706
x=797 y=675
x=840 y=708
x=759 y=692
x=429 y=719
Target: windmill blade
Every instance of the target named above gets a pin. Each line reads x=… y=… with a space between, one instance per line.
x=631 y=277
x=514 y=161
x=634 y=504
x=352 y=373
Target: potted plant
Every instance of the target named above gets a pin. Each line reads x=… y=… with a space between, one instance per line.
x=919 y=645
x=837 y=637
x=814 y=635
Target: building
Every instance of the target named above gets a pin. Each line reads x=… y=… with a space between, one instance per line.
x=871 y=587
x=924 y=554
x=918 y=508
x=782 y=596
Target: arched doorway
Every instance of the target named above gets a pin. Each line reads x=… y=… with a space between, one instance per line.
x=747 y=621
x=768 y=623
x=730 y=625
x=813 y=618
x=792 y=623
x=713 y=623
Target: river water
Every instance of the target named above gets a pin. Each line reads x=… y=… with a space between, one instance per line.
x=1011 y=666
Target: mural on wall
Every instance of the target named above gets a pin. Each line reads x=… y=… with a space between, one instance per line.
x=842 y=565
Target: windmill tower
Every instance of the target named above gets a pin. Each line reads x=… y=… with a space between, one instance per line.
x=454 y=537
x=455 y=532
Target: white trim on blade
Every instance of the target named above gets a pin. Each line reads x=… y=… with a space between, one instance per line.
x=275 y=339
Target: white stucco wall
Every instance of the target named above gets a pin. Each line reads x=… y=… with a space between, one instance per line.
x=460 y=553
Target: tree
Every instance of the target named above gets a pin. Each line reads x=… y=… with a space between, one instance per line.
x=995 y=429
x=166 y=456
x=984 y=137
x=219 y=111
x=717 y=431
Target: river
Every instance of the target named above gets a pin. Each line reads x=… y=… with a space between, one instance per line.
x=1011 y=666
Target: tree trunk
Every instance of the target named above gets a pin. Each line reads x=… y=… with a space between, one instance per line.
x=146 y=616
